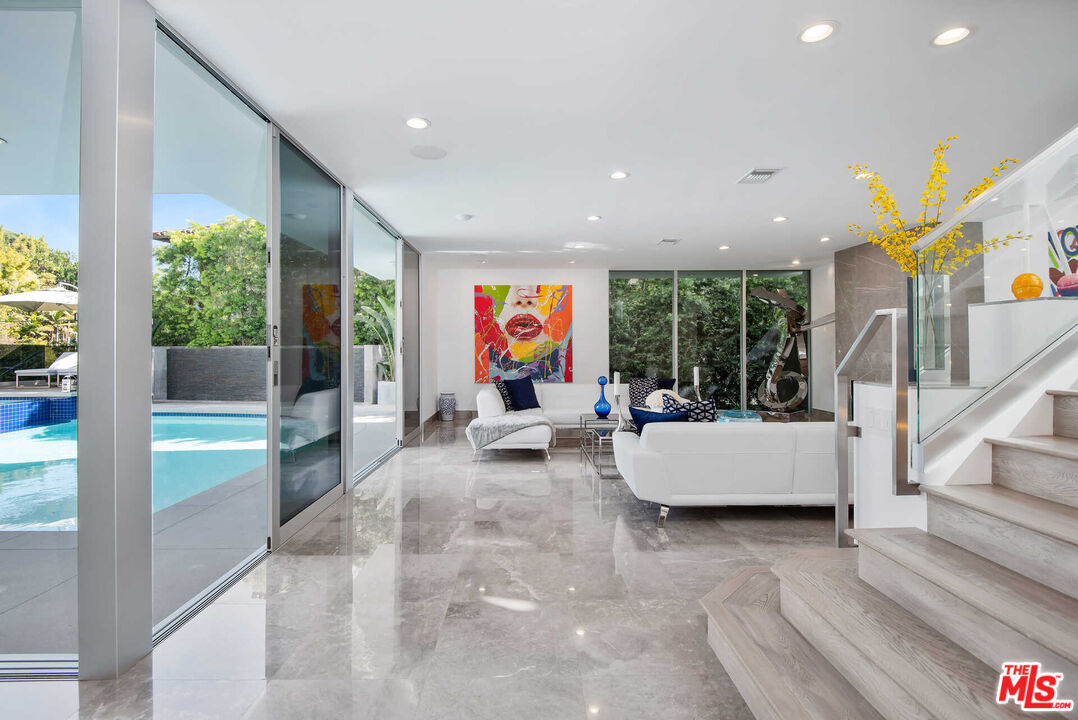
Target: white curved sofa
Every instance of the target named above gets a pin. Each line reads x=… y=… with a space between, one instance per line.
x=684 y=464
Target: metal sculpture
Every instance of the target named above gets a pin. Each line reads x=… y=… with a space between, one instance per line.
x=776 y=391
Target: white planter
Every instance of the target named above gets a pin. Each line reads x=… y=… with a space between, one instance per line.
x=387 y=392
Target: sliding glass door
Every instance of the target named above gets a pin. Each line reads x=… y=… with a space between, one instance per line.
x=208 y=334
x=374 y=340
x=709 y=334
x=307 y=338
x=40 y=53
x=409 y=306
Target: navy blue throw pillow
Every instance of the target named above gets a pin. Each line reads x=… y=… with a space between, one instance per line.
x=522 y=393
x=665 y=383
x=643 y=417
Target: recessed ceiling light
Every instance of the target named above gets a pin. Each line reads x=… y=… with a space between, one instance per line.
x=825 y=239
x=417 y=123
x=951 y=36
x=482 y=262
x=572 y=262
x=724 y=247
x=779 y=218
x=816 y=33
x=796 y=262
x=594 y=218
x=465 y=217
x=619 y=175
x=995 y=199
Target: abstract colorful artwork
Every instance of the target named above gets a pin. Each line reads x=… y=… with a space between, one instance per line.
x=1063 y=262
x=524 y=331
x=321 y=336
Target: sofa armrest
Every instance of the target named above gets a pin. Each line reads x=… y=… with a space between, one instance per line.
x=488 y=402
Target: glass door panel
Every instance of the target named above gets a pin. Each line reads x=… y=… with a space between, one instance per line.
x=410 y=346
x=374 y=358
x=309 y=333
x=40 y=51
x=208 y=334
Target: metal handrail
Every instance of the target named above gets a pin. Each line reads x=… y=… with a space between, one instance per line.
x=900 y=484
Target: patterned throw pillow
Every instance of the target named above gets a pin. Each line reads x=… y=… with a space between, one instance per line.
x=503 y=390
x=698 y=411
x=639 y=389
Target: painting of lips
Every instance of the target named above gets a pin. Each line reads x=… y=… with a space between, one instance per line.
x=523 y=331
x=524 y=327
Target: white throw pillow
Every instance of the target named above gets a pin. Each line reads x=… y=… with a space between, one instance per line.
x=654 y=401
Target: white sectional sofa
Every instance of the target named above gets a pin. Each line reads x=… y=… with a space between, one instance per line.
x=683 y=464
x=563 y=404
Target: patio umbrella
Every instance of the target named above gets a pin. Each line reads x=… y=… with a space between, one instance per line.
x=57 y=299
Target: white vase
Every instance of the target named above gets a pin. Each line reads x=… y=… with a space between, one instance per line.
x=387 y=392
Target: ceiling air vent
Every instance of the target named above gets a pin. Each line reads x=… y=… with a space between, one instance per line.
x=758 y=176
x=669 y=241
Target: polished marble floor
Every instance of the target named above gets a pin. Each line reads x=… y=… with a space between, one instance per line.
x=444 y=588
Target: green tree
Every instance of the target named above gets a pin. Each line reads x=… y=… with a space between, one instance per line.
x=209 y=286
x=369 y=292
x=28 y=263
x=641 y=324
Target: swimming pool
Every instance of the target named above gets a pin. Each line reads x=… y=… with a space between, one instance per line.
x=191 y=453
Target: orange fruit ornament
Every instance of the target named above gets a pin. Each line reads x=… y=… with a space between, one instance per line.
x=1027 y=285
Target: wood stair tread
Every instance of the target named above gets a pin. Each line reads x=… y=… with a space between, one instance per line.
x=1033 y=513
x=786 y=673
x=947 y=680
x=1046 y=616
x=1055 y=445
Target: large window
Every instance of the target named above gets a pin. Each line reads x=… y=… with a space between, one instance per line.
x=709 y=334
x=641 y=323
x=209 y=331
x=707 y=331
x=374 y=359
x=39 y=242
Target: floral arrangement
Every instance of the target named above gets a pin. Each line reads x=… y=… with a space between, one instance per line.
x=897 y=237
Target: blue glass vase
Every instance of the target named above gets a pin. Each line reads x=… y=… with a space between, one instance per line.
x=602 y=408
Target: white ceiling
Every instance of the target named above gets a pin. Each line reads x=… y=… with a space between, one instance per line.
x=537 y=101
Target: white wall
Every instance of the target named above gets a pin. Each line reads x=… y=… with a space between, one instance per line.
x=448 y=292
x=822 y=340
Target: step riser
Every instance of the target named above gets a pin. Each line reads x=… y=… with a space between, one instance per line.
x=1045 y=476
x=988 y=639
x=879 y=688
x=750 y=691
x=1045 y=559
x=1065 y=416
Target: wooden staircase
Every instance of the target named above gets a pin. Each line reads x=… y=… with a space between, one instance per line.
x=913 y=625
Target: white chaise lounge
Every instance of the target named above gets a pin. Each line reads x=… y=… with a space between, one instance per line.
x=706 y=464
x=67 y=365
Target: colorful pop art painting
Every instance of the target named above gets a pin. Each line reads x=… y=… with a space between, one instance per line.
x=524 y=331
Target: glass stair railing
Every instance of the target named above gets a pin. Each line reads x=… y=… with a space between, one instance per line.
x=978 y=325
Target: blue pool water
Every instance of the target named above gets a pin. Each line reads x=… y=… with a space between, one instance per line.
x=191 y=454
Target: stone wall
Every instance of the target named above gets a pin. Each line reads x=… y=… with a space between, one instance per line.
x=217 y=373
x=238 y=373
x=867 y=280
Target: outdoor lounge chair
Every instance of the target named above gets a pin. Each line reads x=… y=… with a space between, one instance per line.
x=67 y=365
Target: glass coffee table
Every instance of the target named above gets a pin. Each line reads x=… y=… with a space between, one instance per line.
x=597 y=445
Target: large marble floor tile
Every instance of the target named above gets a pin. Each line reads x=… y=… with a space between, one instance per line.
x=445 y=588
